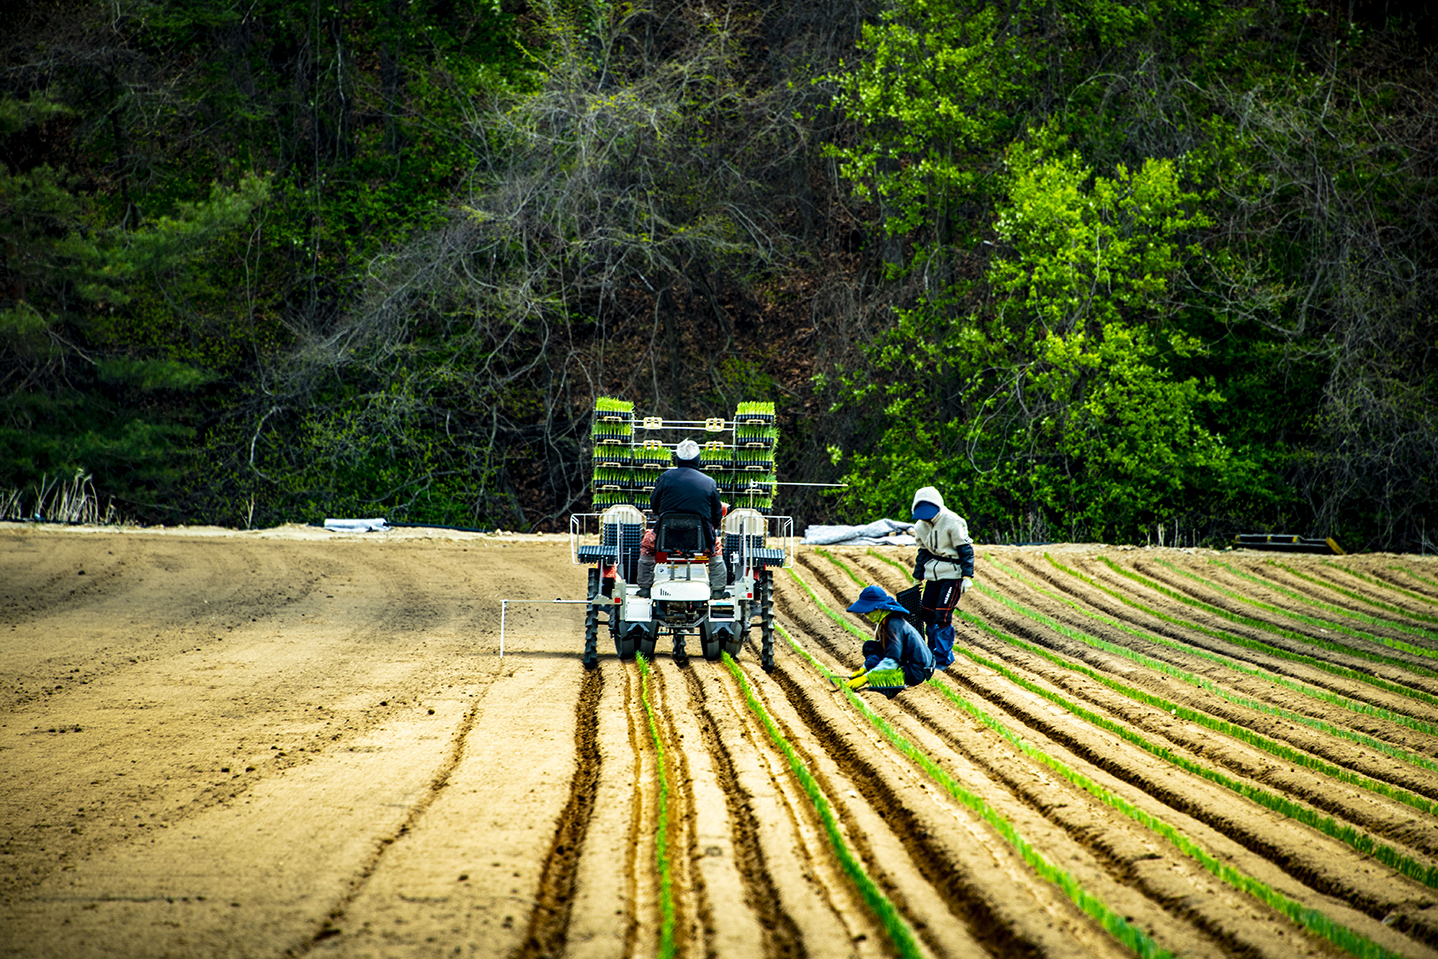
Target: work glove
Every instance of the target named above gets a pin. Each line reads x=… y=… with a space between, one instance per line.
x=859 y=681
x=858 y=672
x=965 y=584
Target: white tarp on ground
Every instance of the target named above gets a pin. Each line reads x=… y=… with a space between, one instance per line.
x=356 y=525
x=882 y=532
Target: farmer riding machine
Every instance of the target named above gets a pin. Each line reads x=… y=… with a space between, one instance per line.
x=630 y=454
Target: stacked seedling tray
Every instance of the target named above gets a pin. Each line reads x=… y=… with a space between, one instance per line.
x=632 y=452
x=755 y=438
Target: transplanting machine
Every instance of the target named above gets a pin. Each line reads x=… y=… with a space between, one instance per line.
x=630 y=454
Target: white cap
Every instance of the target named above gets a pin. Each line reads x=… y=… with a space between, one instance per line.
x=686 y=450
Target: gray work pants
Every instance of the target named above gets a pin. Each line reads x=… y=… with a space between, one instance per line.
x=718 y=572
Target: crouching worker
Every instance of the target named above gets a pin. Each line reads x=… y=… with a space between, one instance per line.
x=897 y=656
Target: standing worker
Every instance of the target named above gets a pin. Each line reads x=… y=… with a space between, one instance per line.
x=685 y=489
x=945 y=564
x=896 y=657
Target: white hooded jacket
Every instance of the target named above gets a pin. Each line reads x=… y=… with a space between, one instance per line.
x=946 y=536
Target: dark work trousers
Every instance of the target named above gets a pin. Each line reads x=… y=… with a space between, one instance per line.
x=937 y=611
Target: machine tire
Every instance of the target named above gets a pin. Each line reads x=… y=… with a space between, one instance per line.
x=626 y=642
x=591 y=624
x=766 y=620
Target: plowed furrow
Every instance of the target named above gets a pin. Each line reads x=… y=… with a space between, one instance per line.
x=1426 y=590
x=1105 y=853
x=1207 y=593
x=957 y=856
x=1292 y=594
x=1393 y=670
x=1375 y=814
x=1114 y=859
x=1353 y=590
x=1188 y=627
x=1341 y=752
x=1241 y=679
x=778 y=934
x=1332 y=870
x=1320 y=863
x=549 y=922
x=830 y=917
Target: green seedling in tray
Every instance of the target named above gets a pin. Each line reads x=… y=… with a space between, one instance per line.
x=608 y=408
x=753 y=412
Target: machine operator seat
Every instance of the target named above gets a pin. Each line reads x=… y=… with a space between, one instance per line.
x=682 y=534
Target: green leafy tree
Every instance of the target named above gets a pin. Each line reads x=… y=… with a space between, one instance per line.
x=1056 y=397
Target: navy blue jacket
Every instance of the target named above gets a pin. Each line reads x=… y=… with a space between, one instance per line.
x=685 y=489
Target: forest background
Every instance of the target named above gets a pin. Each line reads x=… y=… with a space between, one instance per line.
x=1094 y=268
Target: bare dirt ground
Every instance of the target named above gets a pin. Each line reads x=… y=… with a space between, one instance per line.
x=296 y=742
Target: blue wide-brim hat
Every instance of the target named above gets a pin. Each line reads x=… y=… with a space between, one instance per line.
x=872 y=598
x=925 y=510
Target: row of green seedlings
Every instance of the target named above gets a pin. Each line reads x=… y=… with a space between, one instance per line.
x=1267 y=627
x=883 y=908
x=1313 y=920
x=661 y=830
x=1370 y=580
x=1382 y=622
x=1257 y=646
x=1093 y=906
x=1347 y=834
x=1418 y=576
x=1238 y=666
x=1306 y=619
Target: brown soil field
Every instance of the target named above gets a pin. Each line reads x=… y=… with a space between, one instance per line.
x=303 y=743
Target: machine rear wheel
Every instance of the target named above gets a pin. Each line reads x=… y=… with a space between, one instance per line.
x=766 y=620
x=627 y=646
x=591 y=624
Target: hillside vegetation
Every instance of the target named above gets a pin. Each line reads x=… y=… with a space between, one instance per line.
x=1091 y=267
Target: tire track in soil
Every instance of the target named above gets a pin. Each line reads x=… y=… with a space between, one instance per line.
x=549 y=921
x=1191 y=635
x=780 y=936
x=330 y=927
x=601 y=914
x=1390 y=898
